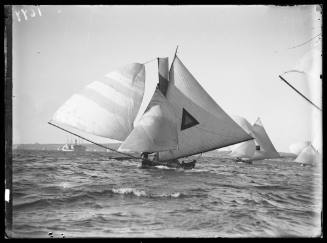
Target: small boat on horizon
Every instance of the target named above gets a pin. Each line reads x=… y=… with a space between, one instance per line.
x=70 y=147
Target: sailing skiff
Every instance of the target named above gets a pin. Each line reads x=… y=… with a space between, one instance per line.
x=168 y=116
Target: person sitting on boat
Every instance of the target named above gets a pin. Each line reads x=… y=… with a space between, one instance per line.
x=145 y=155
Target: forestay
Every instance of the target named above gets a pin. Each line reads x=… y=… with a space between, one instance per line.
x=203 y=125
x=108 y=107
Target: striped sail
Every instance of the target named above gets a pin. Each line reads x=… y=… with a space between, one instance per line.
x=202 y=124
x=108 y=107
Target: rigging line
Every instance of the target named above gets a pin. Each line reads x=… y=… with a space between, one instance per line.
x=299 y=93
x=100 y=145
x=304 y=42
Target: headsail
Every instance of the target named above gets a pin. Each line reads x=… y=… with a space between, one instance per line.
x=203 y=125
x=244 y=150
x=106 y=108
x=156 y=130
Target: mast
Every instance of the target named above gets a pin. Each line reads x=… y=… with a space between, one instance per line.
x=299 y=93
x=173 y=59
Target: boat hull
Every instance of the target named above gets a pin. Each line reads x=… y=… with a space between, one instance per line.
x=171 y=164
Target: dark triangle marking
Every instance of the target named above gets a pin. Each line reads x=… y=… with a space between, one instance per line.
x=188 y=120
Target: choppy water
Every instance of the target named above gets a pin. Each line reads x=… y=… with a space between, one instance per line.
x=91 y=195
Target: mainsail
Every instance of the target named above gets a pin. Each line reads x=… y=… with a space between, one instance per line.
x=264 y=142
x=260 y=148
x=106 y=108
x=203 y=125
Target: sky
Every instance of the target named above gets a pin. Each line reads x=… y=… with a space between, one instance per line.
x=235 y=52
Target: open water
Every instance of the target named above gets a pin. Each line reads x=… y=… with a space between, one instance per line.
x=91 y=195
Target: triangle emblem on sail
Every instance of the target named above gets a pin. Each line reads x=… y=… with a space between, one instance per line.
x=188 y=120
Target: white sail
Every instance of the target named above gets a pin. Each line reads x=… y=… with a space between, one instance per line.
x=308 y=155
x=156 y=130
x=297 y=148
x=260 y=148
x=244 y=150
x=202 y=124
x=266 y=149
x=106 y=108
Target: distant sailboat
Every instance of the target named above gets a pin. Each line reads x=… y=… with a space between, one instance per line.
x=258 y=149
x=170 y=116
x=309 y=155
x=297 y=148
x=70 y=147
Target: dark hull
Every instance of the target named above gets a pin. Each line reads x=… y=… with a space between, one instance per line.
x=171 y=164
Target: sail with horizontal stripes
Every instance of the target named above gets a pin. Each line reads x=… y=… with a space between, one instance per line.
x=203 y=125
x=107 y=107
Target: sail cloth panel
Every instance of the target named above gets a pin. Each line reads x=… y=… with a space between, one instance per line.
x=214 y=128
x=106 y=108
x=156 y=130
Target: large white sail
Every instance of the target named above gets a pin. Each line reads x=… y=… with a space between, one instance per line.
x=202 y=124
x=308 y=155
x=106 y=108
x=156 y=130
x=297 y=148
x=266 y=149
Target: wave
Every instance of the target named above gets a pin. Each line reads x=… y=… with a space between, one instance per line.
x=129 y=191
x=141 y=193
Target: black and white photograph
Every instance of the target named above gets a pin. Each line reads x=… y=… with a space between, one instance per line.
x=163 y=121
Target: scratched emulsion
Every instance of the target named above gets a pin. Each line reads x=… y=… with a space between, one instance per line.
x=91 y=195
